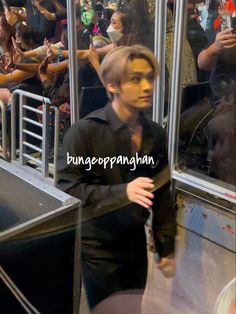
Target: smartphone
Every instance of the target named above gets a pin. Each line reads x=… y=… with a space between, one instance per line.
x=225 y=22
x=4 y=4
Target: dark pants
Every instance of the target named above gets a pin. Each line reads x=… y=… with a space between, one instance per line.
x=112 y=266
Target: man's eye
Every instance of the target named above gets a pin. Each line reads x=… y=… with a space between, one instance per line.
x=151 y=78
x=135 y=79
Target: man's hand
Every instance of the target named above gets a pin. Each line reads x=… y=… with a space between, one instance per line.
x=225 y=40
x=167 y=266
x=138 y=191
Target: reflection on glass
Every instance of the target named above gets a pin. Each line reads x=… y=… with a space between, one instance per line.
x=189 y=71
x=208 y=119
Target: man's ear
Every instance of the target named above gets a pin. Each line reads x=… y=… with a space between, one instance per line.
x=112 y=88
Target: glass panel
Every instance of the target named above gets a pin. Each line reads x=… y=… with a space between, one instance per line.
x=208 y=112
x=133 y=22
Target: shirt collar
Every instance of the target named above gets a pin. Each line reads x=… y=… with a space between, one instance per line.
x=108 y=115
x=113 y=119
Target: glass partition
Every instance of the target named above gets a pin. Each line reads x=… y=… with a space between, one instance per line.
x=90 y=29
x=203 y=100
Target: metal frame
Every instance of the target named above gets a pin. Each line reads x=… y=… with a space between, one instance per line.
x=73 y=64
x=69 y=203
x=24 y=157
x=159 y=51
x=4 y=130
x=202 y=183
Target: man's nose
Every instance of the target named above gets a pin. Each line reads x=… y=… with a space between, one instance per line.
x=147 y=84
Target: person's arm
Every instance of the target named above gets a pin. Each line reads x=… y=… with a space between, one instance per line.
x=58 y=6
x=60 y=14
x=83 y=54
x=38 y=52
x=45 y=28
x=164 y=212
x=14 y=77
x=47 y=14
x=104 y=50
x=224 y=40
x=93 y=58
x=33 y=67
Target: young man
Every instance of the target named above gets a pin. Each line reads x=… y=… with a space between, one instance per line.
x=110 y=161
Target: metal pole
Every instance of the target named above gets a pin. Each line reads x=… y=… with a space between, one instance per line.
x=176 y=84
x=73 y=66
x=159 y=51
x=4 y=130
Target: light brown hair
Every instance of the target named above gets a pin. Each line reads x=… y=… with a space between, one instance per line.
x=114 y=66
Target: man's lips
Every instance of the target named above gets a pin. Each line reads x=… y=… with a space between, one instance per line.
x=148 y=97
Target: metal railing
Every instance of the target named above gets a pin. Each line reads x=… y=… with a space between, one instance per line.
x=24 y=133
x=3 y=125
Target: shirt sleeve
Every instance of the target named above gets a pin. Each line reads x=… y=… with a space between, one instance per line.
x=164 y=209
x=164 y=222
x=97 y=198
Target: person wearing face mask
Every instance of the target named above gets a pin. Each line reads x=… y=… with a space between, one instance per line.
x=122 y=31
x=114 y=30
x=114 y=34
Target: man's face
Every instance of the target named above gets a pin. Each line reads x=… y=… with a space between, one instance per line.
x=136 y=88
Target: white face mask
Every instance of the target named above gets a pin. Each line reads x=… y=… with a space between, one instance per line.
x=114 y=34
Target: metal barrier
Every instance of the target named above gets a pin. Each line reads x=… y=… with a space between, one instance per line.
x=24 y=156
x=3 y=125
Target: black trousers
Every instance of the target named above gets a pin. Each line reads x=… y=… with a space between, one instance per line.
x=114 y=265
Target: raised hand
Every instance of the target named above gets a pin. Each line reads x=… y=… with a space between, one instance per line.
x=44 y=74
x=48 y=15
x=93 y=57
x=18 y=55
x=8 y=60
x=11 y=17
x=49 y=49
x=225 y=40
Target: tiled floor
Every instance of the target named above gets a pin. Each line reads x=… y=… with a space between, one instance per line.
x=203 y=269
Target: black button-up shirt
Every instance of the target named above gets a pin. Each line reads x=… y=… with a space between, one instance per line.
x=103 y=191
